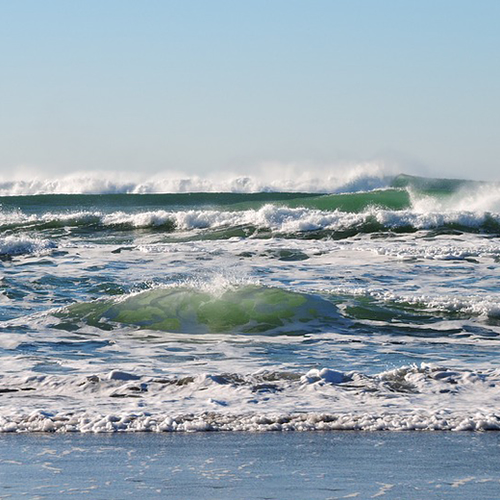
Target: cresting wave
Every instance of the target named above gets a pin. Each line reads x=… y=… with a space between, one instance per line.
x=277 y=219
x=187 y=309
x=428 y=397
x=226 y=307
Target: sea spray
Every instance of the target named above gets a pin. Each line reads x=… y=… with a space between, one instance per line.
x=270 y=177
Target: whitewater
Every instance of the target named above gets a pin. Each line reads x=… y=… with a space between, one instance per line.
x=369 y=302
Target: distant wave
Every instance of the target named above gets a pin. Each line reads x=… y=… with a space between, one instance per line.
x=269 y=178
x=410 y=204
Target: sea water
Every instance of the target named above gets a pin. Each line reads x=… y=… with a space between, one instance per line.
x=371 y=307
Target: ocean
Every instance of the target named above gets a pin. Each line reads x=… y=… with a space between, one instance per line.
x=373 y=306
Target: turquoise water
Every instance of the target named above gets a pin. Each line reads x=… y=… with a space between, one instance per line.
x=369 y=309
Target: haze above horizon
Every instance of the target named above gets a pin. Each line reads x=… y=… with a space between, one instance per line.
x=206 y=87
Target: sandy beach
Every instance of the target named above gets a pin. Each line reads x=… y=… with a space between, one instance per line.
x=314 y=465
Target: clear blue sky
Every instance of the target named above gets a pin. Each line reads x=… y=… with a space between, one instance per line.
x=202 y=86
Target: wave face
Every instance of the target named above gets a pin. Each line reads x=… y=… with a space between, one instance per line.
x=365 y=303
x=184 y=309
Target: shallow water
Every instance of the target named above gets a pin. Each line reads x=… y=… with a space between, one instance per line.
x=267 y=311
x=250 y=465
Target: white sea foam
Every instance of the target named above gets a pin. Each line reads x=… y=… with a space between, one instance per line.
x=21 y=245
x=438 y=251
x=479 y=198
x=467 y=305
x=274 y=217
x=90 y=422
x=426 y=220
x=10 y=219
x=418 y=397
x=470 y=247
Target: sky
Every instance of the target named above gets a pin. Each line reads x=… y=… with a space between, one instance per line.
x=204 y=86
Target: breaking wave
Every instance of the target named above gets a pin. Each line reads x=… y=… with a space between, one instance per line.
x=416 y=397
x=275 y=218
x=269 y=177
x=411 y=204
x=11 y=246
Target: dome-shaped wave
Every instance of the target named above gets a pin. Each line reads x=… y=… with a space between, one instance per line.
x=184 y=309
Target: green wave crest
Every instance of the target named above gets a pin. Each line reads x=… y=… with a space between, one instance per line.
x=183 y=309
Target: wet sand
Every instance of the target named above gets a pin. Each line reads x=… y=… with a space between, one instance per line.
x=313 y=465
